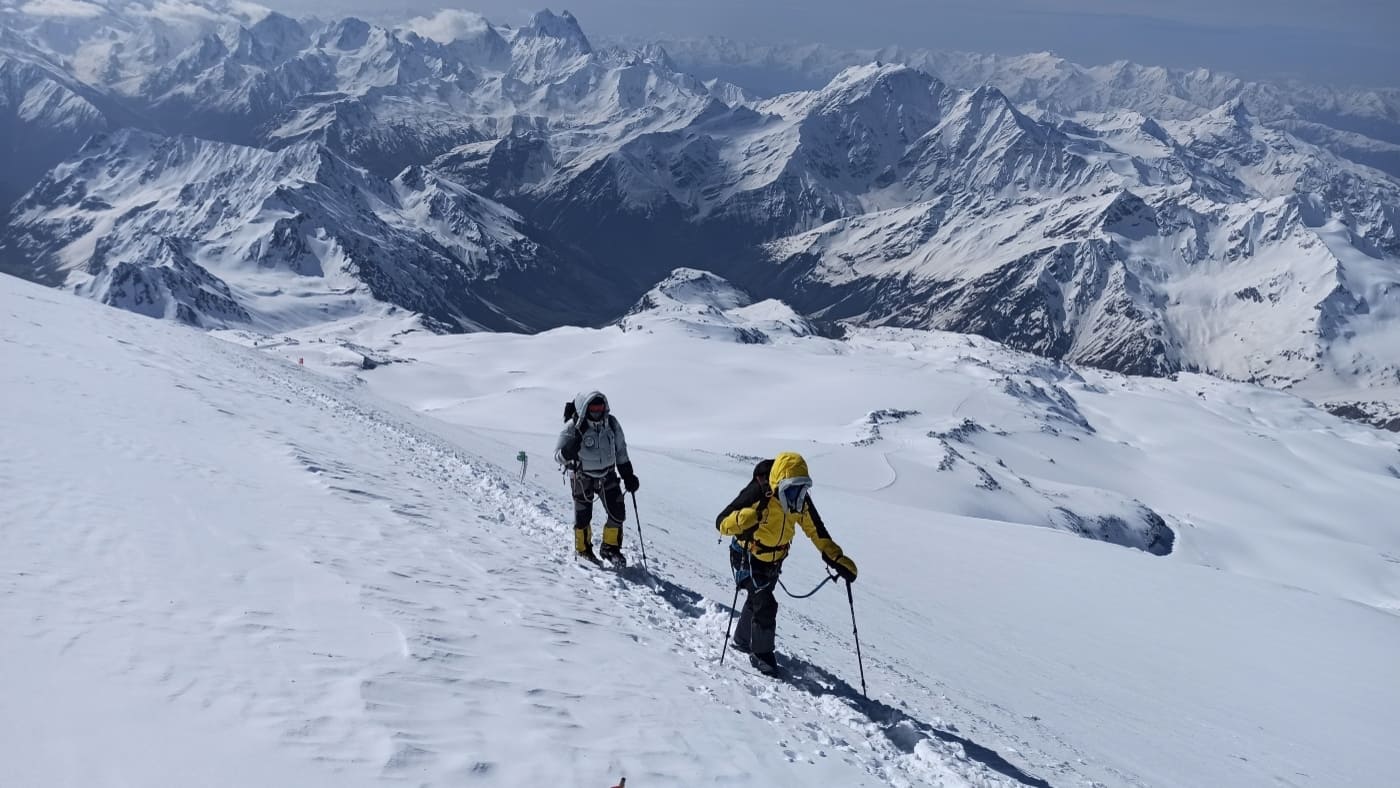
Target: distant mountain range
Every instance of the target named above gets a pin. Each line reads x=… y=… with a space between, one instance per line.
x=224 y=165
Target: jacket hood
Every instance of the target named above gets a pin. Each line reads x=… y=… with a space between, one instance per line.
x=787 y=465
x=581 y=403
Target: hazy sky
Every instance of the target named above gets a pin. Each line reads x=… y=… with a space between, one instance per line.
x=1351 y=41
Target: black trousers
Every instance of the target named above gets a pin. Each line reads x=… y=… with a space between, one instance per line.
x=758 y=620
x=607 y=487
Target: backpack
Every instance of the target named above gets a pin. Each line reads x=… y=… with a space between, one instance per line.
x=569 y=452
x=754 y=494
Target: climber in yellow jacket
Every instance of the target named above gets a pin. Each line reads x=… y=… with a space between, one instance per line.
x=763 y=520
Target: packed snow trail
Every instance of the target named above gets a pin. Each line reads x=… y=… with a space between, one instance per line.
x=1218 y=664
x=690 y=622
x=221 y=569
x=202 y=539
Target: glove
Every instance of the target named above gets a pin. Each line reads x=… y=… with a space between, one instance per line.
x=845 y=568
x=573 y=465
x=631 y=482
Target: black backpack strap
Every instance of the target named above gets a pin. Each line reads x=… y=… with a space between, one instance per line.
x=751 y=495
x=755 y=494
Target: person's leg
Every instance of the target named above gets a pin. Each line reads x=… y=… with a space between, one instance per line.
x=763 y=630
x=616 y=508
x=583 y=514
x=739 y=562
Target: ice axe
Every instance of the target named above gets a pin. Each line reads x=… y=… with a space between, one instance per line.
x=524 y=461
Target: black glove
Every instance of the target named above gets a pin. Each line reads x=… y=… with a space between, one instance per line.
x=844 y=566
x=631 y=482
x=573 y=465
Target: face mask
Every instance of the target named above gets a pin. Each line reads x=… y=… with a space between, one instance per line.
x=792 y=493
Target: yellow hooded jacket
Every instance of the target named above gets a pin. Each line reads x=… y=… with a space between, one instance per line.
x=761 y=525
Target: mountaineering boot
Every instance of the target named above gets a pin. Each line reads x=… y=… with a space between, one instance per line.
x=583 y=543
x=741 y=646
x=613 y=554
x=612 y=544
x=766 y=664
x=612 y=535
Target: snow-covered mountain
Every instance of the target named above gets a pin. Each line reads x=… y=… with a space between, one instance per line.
x=321 y=544
x=887 y=197
x=1137 y=219
x=45 y=114
x=215 y=235
x=386 y=98
x=273 y=573
x=1232 y=248
x=1360 y=123
x=698 y=303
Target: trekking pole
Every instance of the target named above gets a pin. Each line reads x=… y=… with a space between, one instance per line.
x=854 y=631
x=730 y=625
x=640 y=540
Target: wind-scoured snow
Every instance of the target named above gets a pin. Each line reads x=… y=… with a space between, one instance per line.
x=222 y=566
x=300 y=551
x=273 y=578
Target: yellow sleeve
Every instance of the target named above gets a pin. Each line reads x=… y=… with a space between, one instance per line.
x=815 y=529
x=739 y=521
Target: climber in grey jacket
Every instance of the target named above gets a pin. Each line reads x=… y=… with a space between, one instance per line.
x=594 y=449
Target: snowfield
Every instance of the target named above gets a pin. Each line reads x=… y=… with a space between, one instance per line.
x=220 y=567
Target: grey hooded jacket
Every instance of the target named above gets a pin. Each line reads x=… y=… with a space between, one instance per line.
x=601 y=444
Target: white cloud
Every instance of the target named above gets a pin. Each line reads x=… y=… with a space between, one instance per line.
x=170 y=11
x=73 y=9
x=252 y=13
x=447 y=25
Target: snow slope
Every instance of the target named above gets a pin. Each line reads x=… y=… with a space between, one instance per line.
x=221 y=568
x=229 y=570
x=1257 y=652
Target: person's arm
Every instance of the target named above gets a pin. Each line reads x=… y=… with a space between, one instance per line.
x=620 y=445
x=566 y=448
x=832 y=554
x=624 y=463
x=742 y=513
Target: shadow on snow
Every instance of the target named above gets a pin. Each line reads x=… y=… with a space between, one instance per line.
x=902 y=730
